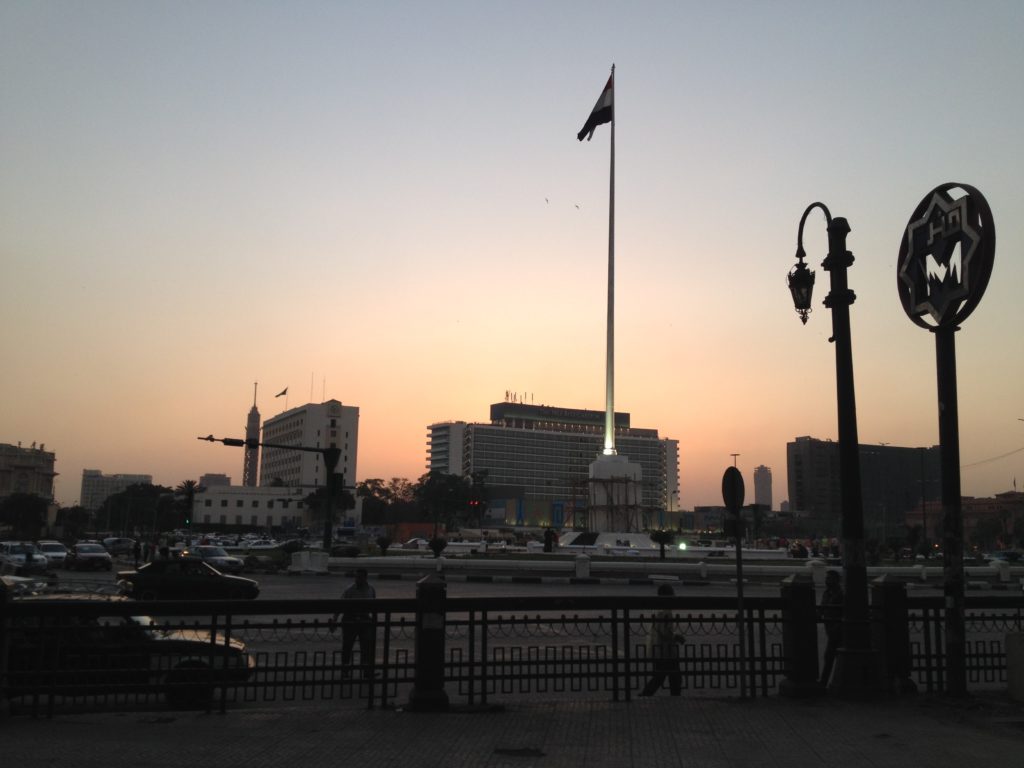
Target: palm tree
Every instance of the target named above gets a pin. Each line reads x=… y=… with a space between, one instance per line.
x=663 y=538
x=186 y=491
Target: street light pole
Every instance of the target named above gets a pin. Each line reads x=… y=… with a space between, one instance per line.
x=855 y=670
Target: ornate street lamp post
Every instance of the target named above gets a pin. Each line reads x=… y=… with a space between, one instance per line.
x=855 y=670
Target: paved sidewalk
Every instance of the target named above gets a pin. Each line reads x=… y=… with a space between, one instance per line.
x=660 y=731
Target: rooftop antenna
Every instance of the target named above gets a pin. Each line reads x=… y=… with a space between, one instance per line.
x=255 y=384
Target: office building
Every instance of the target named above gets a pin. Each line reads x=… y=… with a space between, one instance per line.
x=763 y=487
x=96 y=486
x=894 y=481
x=314 y=425
x=26 y=470
x=538 y=457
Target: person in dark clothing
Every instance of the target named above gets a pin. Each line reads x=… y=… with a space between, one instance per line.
x=137 y=552
x=664 y=645
x=358 y=625
x=832 y=617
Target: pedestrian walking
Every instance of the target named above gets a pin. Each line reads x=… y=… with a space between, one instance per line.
x=137 y=552
x=663 y=645
x=358 y=625
x=832 y=617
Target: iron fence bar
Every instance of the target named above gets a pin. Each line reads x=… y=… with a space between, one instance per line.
x=385 y=676
x=627 y=657
x=472 y=657
x=762 y=631
x=484 y=651
x=615 y=654
x=224 y=664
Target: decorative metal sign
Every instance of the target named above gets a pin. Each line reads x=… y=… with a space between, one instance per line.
x=946 y=256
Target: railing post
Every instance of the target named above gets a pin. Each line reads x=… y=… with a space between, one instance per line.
x=891 y=633
x=428 y=694
x=799 y=638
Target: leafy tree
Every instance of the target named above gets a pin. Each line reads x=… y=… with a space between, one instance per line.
x=479 y=495
x=25 y=513
x=74 y=520
x=986 y=533
x=442 y=498
x=317 y=503
x=142 y=507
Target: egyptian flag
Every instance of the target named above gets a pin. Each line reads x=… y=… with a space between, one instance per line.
x=285 y=392
x=603 y=112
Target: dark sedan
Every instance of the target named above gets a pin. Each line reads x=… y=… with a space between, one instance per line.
x=71 y=653
x=185 y=578
x=87 y=556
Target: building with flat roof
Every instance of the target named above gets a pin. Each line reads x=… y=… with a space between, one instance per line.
x=214 y=479
x=539 y=457
x=26 y=470
x=96 y=486
x=314 y=425
x=894 y=481
x=763 y=487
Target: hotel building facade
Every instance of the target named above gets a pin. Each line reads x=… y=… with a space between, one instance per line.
x=538 y=457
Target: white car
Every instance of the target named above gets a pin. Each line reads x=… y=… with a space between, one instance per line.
x=20 y=558
x=54 y=552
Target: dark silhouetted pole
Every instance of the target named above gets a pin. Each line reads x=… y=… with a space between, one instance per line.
x=855 y=670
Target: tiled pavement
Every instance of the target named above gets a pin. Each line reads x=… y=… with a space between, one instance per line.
x=659 y=731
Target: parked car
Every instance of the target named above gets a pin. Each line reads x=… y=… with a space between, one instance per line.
x=119 y=546
x=185 y=578
x=20 y=558
x=88 y=556
x=76 y=654
x=344 y=549
x=54 y=552
x=217 y=557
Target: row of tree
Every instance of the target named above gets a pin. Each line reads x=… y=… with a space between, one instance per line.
x=445 y=500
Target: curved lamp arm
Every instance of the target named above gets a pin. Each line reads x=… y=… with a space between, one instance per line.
x=801 y=279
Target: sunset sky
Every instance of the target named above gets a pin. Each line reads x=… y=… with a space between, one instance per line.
x=385 y=202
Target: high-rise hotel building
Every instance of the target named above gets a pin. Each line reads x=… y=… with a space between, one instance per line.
x=538 y=457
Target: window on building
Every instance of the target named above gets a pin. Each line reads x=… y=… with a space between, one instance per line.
x=255 y=503
x=255 y=520
x=223 y=503
x=239 y=503
x=238 y=519
x=224 y=521
x=270 y=524
x=206 y=518
x=270 y=504
x=208 y=503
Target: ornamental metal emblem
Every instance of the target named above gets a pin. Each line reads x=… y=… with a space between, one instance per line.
x=946 y=256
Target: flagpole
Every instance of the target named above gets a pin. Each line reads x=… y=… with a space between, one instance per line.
x=609 y=415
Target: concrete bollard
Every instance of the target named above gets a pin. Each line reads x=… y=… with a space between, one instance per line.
x=799 y=638
x=582 y=566
x=300 y=561
x=428 y=694
x=816 y=568
x=1002 y=569
x=318 y=562
x=1015 y=665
